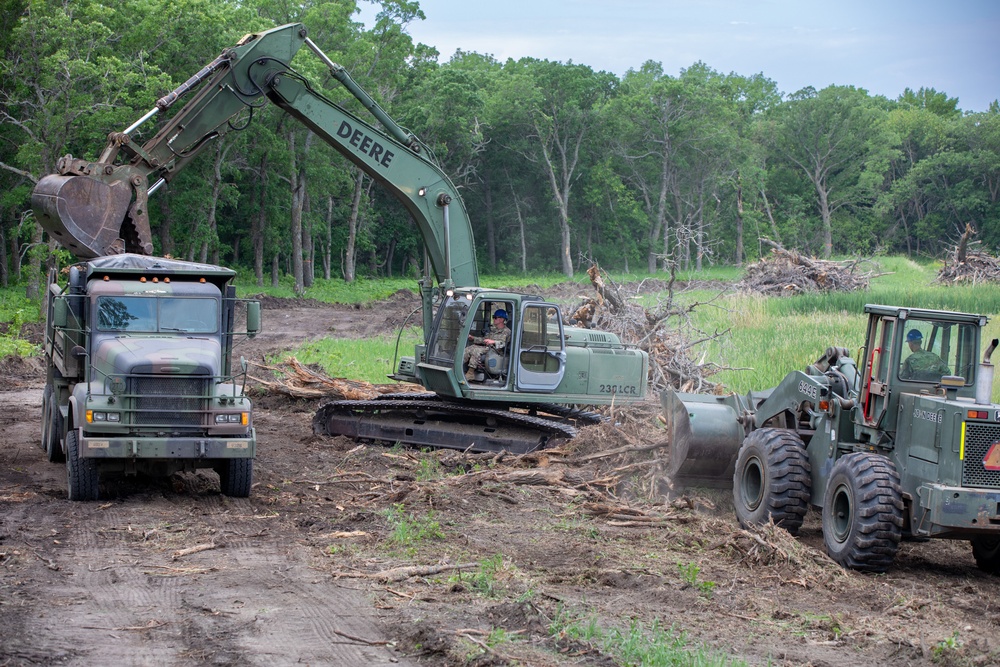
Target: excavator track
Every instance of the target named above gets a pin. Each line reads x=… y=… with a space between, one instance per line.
x=427 y=422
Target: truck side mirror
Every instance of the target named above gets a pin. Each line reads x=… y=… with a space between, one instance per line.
x=253 y=318
x=60 y=310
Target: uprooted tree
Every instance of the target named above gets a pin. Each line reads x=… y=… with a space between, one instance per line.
x=666 y=331
x=967 y=263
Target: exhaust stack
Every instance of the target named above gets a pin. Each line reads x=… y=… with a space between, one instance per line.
x=984 y=381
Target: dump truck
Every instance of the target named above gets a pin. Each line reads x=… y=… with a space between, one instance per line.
x=139 y=373
x=902 y=441
x=519 y=398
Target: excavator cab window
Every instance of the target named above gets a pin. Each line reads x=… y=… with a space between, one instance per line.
x=448 y=325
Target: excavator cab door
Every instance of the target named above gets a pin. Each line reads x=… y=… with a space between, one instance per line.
x=541 y=348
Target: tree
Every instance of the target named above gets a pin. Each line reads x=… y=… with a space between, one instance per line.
x=838 y=140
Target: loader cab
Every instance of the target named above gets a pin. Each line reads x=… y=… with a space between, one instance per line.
x=911 y=350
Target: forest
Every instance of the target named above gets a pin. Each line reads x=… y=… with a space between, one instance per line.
x=559 y=164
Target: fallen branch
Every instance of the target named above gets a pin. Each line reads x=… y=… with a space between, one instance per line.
x=180 y=553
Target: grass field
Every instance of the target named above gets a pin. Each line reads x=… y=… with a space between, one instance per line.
x=766 y=336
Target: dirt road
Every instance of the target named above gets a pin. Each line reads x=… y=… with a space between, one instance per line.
x=365 y=555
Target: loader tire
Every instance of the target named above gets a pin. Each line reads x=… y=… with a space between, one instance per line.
x=235 y=477
x=863 y=512
x=82 y=474
x=986 y=551
x=772 y=481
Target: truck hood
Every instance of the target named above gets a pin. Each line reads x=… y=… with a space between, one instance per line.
x=155 y=355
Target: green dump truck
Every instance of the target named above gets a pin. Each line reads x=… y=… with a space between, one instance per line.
x=139 y=373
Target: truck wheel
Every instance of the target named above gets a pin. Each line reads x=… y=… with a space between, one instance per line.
x=235 y=477
x=986 y=551
x=52 y=428
x=46 y=399
x=863 y=512
x=772 y=480
x=81 y=473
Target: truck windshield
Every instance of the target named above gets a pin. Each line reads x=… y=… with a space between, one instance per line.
x=148 y=314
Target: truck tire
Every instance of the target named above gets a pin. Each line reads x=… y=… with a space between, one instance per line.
x=82 y=474
x=772 y=482
x=235 y=477
x=51 y=427
x=986 y=551
x=863 y=512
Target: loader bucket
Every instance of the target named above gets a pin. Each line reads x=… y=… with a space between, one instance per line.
x=84 y=214
x=705 y=438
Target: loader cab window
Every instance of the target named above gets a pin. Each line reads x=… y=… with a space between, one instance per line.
x=542 y=348
x=932 y=350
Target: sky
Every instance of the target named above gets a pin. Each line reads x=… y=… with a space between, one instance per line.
x=883 y=46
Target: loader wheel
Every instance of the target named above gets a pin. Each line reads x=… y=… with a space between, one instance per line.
x=986 y=551
x=82 y=474
x=235 y=477
x=863 y=512
x=772 y=480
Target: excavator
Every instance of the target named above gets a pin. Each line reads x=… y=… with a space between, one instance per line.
x=530 y=394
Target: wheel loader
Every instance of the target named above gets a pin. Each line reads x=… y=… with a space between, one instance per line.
x=902 y=441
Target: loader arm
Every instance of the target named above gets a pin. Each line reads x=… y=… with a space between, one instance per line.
x=99 y=208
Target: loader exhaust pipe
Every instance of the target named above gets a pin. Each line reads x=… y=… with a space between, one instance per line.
x=984 y=381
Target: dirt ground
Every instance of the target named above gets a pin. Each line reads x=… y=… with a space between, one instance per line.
x=350 y=554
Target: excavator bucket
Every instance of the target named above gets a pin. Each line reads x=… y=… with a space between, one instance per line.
x=84 y=214
x=705 y=438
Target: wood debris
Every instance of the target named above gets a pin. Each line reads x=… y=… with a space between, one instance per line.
x=786 y=272
x=295 y=379
x=968 y=264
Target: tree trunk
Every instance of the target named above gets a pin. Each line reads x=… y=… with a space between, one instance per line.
x=309 y=249
x=350 y=253
x=739 y=221
x=33 y=289
x=491 y=240
x=4 y=273
x=275 y=270
x=328 y=250
x=298 y=201
x=166 y=225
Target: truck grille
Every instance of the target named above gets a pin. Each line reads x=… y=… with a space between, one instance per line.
x=978 y=440
x=169 y=401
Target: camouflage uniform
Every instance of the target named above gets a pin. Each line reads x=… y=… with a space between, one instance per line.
x=474 y=353
x=923 y=365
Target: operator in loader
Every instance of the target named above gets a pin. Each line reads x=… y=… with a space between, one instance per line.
x=497 y=337
x=921 y=364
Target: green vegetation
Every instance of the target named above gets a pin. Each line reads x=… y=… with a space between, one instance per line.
x=408 y=530
x=484 y=580
x=689 y=574
x=654 y=646
x=16 y=310
x=370 y=360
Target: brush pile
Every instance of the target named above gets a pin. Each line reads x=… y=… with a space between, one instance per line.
x=786 y=272
x=665 y=332
x=967 y=264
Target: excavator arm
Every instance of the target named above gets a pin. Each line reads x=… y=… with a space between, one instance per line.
x=100 y=208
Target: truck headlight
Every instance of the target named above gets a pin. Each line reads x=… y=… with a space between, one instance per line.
x=95 y=416
x=232 y=418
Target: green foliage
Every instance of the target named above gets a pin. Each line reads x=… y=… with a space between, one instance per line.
x=691 y=166
x=689 y=575
x=484 y=580
x=408 y=530
x=370 y=360
x=653 y=646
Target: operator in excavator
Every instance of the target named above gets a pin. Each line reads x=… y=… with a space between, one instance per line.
x=497 y=337
x=921 y=364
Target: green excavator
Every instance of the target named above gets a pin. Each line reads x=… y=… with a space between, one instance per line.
x=521 y=398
